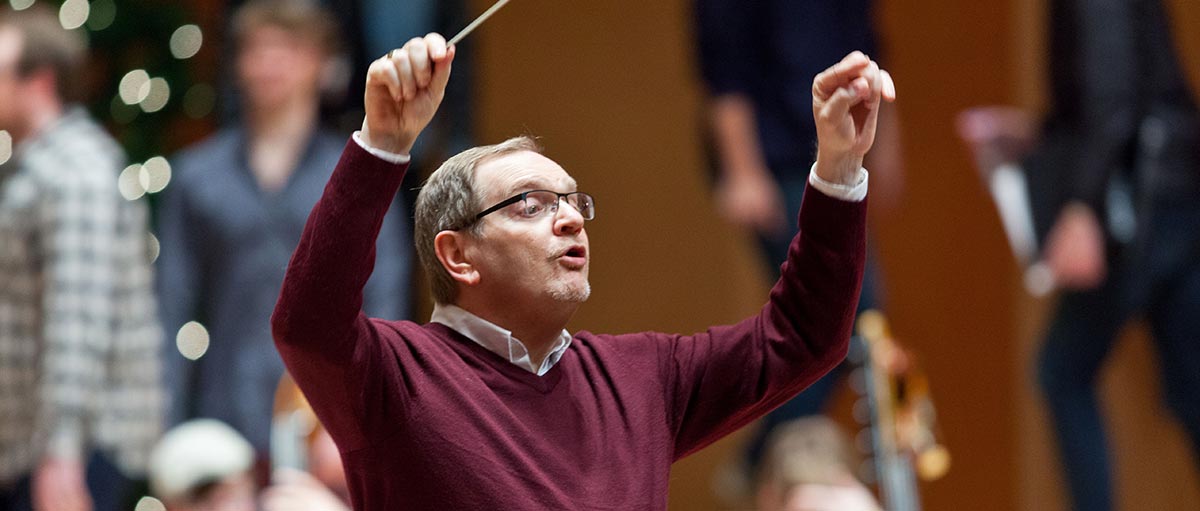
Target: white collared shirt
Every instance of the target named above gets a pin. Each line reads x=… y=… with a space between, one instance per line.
x=496 y=339
x=852 y=193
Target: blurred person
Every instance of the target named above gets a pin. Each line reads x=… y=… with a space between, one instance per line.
x=299 y=441
x=493 y=404
x=757 y=61
x=297 y=490
x=1114 y=189
x=81 y=400
x=322 y=487
x=325 y=464
x=235 y=210
x=203 y=465
x=807 y=467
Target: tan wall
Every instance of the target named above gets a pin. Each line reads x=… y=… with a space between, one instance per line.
x=612 y=89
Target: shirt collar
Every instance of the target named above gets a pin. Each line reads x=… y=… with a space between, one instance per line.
x=496 y=339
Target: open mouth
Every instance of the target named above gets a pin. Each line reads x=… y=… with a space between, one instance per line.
x=574 y=257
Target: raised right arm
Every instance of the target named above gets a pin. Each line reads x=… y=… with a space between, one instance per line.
x=318 y=325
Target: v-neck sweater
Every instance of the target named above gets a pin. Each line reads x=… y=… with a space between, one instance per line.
x=427 y=419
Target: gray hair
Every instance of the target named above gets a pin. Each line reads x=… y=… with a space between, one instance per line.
x=448 y=202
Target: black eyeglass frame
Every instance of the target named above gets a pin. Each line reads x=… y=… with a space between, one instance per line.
x=560 y=197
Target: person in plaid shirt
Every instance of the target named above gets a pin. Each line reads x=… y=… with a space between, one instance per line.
x=79 y=340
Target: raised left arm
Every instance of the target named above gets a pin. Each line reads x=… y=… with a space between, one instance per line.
x=725 y=378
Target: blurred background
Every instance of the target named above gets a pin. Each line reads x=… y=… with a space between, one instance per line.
x=614 y=91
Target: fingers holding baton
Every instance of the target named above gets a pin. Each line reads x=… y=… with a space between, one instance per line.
x=406 y=86
x=422 y=63
x=404 y=90
x=846 y=101
x=856 y=76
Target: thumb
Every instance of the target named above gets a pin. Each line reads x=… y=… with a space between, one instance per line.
x=839 y=104
x=441 y=71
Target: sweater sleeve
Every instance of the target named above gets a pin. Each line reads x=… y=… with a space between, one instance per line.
x=328 y=344
x=721 y=380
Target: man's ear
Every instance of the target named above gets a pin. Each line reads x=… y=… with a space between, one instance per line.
x=451 y=250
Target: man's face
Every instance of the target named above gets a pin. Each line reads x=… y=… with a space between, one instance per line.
x=531 y=261
x=275 y=67
x=11 y=43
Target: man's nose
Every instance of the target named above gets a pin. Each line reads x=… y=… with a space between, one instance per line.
x=567 y=220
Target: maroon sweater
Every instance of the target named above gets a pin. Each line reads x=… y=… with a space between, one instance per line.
x=427 y=419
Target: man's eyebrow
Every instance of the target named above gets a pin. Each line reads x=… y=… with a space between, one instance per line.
x=527 y=184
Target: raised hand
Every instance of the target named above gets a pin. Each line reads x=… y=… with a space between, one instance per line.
x=846 y=100
x=404 y=89
x=59 y=484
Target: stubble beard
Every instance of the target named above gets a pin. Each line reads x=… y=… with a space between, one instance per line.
x=571 y=292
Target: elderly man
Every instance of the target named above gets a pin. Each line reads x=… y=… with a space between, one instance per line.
x=493 y=405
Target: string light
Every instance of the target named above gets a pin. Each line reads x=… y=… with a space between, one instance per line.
x=158 y=174
x=153 y=247
x=5 y=147
x=134 y=86
x=199 y=100
x=186 y=41
x=104 y=12
x=121 y=112
x=192 y=340
x=73 y=14
x=149 y=504
x=158 y=95
x=129 y=183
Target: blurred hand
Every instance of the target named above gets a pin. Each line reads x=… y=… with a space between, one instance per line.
x=1075 y=249
x=59 y=484
x=846 y=99
x=831 y=497
x=296 y=490
x=404 y=90
x=752 y=200
x=996 y=135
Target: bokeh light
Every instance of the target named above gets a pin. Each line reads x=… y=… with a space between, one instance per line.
x=122 y=113
x=186 y=41
x=192 y=340
x=153 y=247
x=143 y=178
x=158 y=174
x=73 y=14
x=104 y=12
x=199 y=100
x=5 y=147
x=158 y=96
x=149 y=504
x=20 y=5
x=134 y=86
x=129 y=183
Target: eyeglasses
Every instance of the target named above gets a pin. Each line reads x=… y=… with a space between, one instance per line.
x=536 y=203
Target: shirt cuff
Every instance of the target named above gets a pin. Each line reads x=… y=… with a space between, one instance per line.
x=380 y=153
x=852 y=193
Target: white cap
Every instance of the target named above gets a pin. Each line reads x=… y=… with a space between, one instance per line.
x=196 y=452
